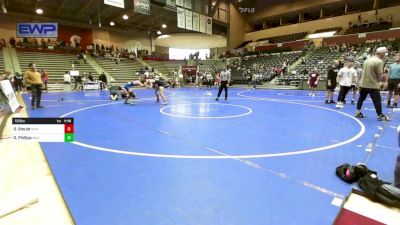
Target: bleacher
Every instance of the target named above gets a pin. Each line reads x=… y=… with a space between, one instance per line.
x=54 y=64
x=285 y=38
x=122 y=72
x=268 y=62
x=166 y=67
x=2 y=65
x=211 y=63
x=322 y=58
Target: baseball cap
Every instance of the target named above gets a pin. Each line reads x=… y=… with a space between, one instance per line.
x=381 y=50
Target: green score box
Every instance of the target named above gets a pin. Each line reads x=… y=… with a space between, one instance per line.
x=68 y=137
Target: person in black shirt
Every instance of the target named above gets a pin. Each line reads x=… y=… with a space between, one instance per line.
x=331 y=82
x=304 y=72
x=78 y=82
x=18 y=78
x=103 y=83
x=90 y=77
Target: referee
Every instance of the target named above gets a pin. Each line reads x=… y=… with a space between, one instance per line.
x=225 y=80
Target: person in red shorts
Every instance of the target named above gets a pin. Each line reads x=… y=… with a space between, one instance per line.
x=313 y=81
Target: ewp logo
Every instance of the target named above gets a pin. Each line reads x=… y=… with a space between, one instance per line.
x=37 y=30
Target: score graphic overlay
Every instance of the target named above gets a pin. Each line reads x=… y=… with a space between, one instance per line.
x=43 y=129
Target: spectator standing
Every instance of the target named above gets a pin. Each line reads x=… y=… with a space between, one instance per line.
x=84 y=57
x=354 y=86
x=12 y=42
x=254 y=81
x=45 y=78
x=312 y=82
x=393 y=82
x=90 y=77
x=3 y=43
x=18 y=83
x=345 y=78
x=369 y=83
x=33 y=78
x=103 y=81
x=78 y=82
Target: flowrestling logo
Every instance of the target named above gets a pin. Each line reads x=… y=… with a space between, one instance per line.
x=247 y=10
x=49 y=30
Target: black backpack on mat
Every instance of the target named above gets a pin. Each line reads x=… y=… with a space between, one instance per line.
x=350 y=174
x=380 y=191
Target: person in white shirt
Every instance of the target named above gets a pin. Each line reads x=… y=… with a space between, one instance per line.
x=67 y=81
x=346 y=77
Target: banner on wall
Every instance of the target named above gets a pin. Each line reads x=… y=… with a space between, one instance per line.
x=196 y=21
x=116 y=3
x=208 y=25
x=141 y=6
x=37 y=30
x=188 y=4
x=189 y=19
x=202 y=24
x=181 y=17
x=179 y=2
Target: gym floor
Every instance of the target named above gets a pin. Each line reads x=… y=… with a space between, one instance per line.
x=263 y=157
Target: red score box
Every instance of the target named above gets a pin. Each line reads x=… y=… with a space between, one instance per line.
x=68 y=128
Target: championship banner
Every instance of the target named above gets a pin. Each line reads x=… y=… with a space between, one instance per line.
x=202 y=24
x=179 y=2
x=37 y=30
x=208 y=25
x=189 y=19
x=188 y=4
x=181 y=17
x=116 y=3
x=8 y=91
x=196 y=25
x=141 y=6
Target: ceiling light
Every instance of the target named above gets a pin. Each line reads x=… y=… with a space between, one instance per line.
x=112 y=23
x=159 y=32
x=164 y=25
x=125 y=17
x=39 y=11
